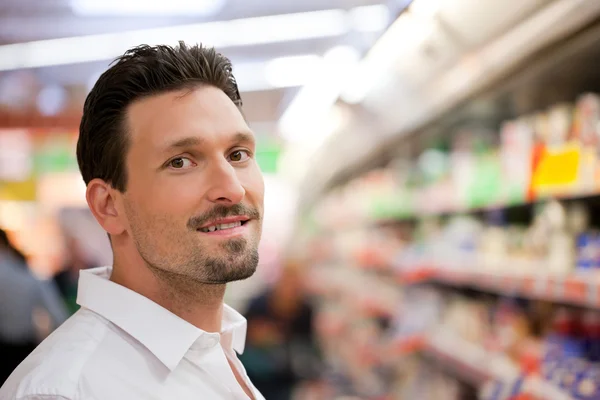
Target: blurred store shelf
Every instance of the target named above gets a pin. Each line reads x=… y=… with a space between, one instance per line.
x=579 y=290
x=496 y=376
x=37 y=121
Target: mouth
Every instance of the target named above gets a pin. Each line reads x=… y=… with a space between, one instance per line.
x=226 y=224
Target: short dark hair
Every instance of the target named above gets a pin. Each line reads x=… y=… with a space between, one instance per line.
x=141 y=72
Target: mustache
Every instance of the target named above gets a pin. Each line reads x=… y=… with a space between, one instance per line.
x=221 y=211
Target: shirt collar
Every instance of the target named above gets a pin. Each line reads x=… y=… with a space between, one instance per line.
x=163 y=333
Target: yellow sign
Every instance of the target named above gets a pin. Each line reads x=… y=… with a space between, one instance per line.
x=18 y=191
x=558 y=170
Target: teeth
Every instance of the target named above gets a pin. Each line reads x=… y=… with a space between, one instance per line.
x=229 y=226
x=221 y=227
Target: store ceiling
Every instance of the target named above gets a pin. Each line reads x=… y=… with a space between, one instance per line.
x=23 y=21
x=468 y=47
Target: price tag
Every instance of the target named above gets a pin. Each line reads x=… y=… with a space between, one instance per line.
x=575 y=289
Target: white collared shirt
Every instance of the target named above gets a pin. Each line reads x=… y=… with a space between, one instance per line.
x=122 y=346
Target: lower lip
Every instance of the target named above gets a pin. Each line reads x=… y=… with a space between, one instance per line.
x=231 y=232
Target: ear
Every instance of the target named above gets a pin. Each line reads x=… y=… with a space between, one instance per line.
x=101 y=199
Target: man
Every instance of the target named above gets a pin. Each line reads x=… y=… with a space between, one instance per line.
x=168 y=160
x=29 y=308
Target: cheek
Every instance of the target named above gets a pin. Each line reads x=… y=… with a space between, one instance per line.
x=165 y=205
x=254 y=185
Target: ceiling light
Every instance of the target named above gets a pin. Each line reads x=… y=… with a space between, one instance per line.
x=408 y=30
x=279 y=72
x=425 y=9
x=370 y=18
x=292 y=71
x=221 y=34
x=146 y=7
x=307 y=117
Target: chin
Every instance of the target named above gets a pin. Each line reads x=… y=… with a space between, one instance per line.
x=243 y=275
x=243 y=271
x=233 y=267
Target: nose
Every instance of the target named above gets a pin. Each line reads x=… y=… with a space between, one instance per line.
x=225 y=186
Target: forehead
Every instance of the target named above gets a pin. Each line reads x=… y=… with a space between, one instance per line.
x=205 y=112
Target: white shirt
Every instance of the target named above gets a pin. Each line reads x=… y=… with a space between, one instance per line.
x=121 y=345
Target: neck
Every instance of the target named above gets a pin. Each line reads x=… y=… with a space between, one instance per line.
x=197 y=303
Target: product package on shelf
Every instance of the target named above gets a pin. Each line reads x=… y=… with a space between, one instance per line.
x=516 y=153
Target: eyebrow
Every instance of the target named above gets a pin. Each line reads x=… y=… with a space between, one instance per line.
x=185 y=142
x=191 y=141
x=244 y=137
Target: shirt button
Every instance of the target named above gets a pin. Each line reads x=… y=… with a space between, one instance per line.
x=212 y=342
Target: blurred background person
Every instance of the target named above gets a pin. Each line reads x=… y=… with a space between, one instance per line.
x=67 y=278
x=281 y=355
x=30 y=309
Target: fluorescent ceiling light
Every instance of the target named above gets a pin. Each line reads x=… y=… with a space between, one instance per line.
x=370 y=18
x=146 y=7
x=415 y=24
x=292 y=71
x=221 y=34
x=308 y=117
x=250 y=76
x=277 y=73
x=426 y=9
x=298 y=156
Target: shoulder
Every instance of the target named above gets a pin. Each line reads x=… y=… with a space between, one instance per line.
x=54 y=369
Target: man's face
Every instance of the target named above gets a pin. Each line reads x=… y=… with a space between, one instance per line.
x=194 y=198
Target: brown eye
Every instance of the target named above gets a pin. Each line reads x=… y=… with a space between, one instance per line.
x=180 y=163
x=239 y=156
x=236 y=156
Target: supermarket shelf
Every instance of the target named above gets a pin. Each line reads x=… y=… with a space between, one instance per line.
x=476 y=366
x=417 y=214
x=391 y=218
x=577 y=290
x=464 y=359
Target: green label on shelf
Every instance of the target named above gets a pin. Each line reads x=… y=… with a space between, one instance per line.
x=486 y=186
x=392 y=207
x=55 y=153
